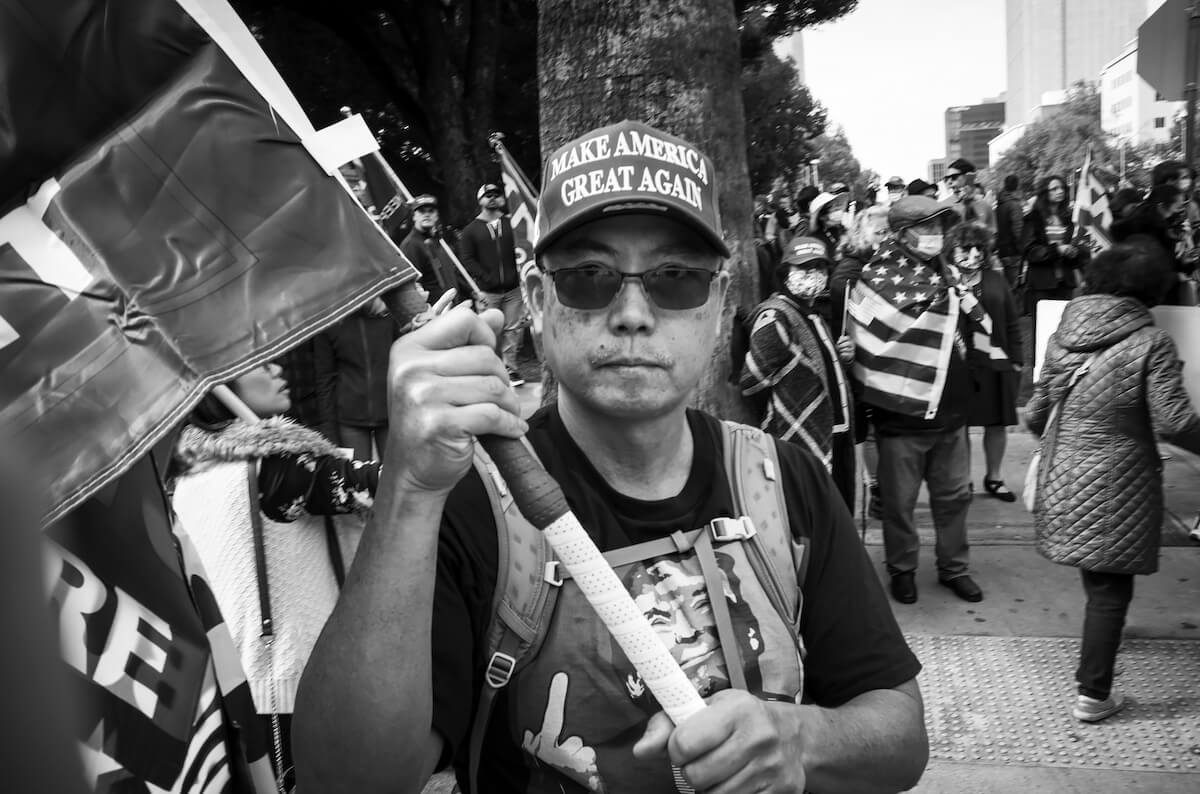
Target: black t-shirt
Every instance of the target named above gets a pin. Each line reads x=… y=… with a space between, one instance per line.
x=853 y=642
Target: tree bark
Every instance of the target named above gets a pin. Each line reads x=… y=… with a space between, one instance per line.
x=675 y=66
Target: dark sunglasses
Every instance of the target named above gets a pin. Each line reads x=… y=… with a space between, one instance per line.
x=670 y=286
x=950 y=177
x=491 y=194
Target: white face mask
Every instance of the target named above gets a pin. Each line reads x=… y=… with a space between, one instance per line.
x=929 y=244
x=806 y=283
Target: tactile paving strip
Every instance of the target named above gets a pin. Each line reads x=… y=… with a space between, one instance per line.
x=1007 y=700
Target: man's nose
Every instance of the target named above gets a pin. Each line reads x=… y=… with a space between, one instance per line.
x=632 y=309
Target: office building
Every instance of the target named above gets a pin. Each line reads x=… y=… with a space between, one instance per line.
x=969 y=128
x=1052 y=44
x=1130 y=109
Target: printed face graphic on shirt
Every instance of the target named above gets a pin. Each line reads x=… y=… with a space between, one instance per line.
x=671 y=593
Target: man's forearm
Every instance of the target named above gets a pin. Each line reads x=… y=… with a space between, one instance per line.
x=363 y=712
x=874 y=743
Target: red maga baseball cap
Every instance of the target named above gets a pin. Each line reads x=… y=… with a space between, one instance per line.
x=628 y=168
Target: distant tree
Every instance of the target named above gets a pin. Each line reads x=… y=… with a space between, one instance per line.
x=782 y=121
x=432 y=80
x=836 y=160
x=1057 y=143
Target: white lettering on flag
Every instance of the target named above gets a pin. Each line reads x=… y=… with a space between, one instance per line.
x=8 y=334
x=37 y=244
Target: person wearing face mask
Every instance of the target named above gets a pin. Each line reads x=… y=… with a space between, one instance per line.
x=910 y=325
x=994 y=407
x=796 y=368
x=827 y=219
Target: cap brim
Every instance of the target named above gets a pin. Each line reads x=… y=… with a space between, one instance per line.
x=632 y=207
x=947 y=215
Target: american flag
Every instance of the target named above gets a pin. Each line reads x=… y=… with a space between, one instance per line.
x=1091 y=215
x=904 y=317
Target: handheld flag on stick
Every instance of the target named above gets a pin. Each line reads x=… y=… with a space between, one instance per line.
x=1091 y=215
x=382 y=166
x=155 y=242
x=522 y=202
x=152 y=264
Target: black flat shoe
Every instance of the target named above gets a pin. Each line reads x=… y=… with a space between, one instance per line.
x=998 y=489
x=962 y=586
x=904 y=587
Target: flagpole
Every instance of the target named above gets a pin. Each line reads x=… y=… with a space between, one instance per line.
x=496 y=141
x=403 y=190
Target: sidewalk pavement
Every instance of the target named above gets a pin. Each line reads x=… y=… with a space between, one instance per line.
x=999 y=675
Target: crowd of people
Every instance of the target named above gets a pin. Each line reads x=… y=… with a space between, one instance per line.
x=380 y=586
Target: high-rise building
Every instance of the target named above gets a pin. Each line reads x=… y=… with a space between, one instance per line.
x=1052 y=44
x=1130 y=109
x=970 y=127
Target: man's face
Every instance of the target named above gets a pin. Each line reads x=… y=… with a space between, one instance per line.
x=894 y=193
x=924 y=240
x=492 y=200
x=425 y=218
x=954 y=181
x=630 y=358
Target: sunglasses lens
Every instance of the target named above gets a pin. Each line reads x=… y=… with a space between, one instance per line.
x=586 y=287
x=678 y=287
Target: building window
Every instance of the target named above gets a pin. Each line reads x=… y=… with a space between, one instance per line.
x=1159 y=123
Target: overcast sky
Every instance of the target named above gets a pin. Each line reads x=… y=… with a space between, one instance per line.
x=887 y=72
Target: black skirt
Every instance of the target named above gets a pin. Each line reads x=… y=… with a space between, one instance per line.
x=995 y=400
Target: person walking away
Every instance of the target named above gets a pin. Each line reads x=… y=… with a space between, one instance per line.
x=488 y=253
x=1051 y=259
x=1115 y=382
x=796 y=368
x=996 y=378
x=422 y=247
x=628 y=303
x=274 y=512
x=1010 y=228
x=903 y=296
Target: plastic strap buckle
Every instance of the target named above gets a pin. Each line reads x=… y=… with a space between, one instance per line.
x=728 y=529
x=499 y=670
x=551 y=575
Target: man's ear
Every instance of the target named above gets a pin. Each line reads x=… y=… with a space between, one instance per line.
x=534 y=286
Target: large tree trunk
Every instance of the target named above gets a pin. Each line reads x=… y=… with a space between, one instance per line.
x=672 y=65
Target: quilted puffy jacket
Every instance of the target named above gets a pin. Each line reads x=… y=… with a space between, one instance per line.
x=1100 y=502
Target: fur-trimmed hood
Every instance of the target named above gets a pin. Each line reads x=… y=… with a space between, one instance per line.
x=198 y=449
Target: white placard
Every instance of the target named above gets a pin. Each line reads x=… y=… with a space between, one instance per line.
x=1181 y=322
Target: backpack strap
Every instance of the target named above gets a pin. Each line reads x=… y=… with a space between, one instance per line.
x=524 y=597
x=779 y=558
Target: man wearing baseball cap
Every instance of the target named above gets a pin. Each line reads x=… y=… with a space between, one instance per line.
x=628 y=302
x=488 y=252
x=795 y=367
x=914 y=378
x=895 y=189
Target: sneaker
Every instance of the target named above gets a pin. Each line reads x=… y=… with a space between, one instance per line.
x=515 y=379
x=1092 y=710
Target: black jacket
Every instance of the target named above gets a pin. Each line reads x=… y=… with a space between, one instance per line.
x=492 y=262
x=1047 y=268
x=352 y=365
x=436 y=269
x=1010 y=224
